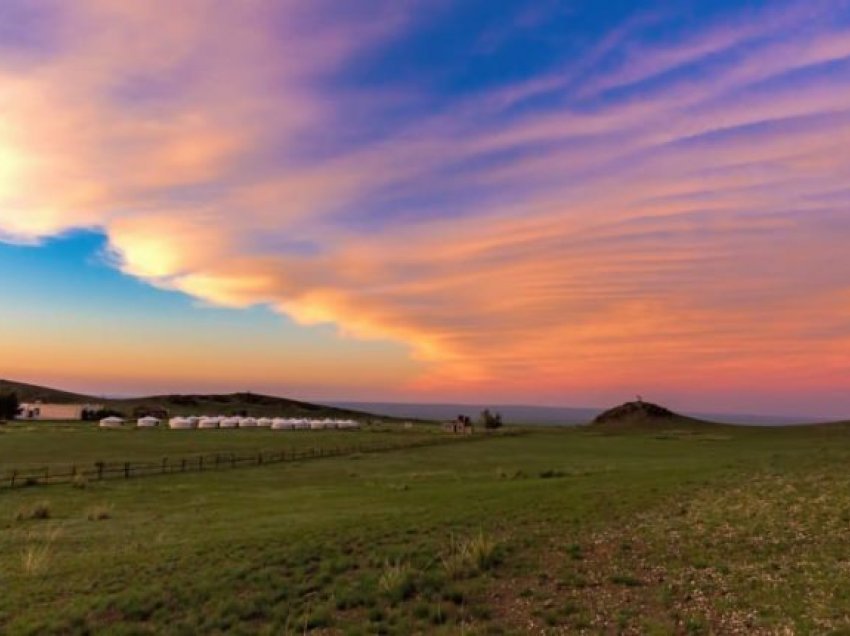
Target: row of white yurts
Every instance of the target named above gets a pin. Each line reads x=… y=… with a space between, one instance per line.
x=222 y=421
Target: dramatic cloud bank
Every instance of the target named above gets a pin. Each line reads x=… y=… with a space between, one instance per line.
x=641 y=210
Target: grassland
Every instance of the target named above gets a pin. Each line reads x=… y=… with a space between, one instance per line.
x=555 y=531
x=59 y=445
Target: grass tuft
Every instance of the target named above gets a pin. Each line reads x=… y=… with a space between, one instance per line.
x=471 y=556
x=396 y=581
x=38 y=510
x=80 y=481
x=99 y=512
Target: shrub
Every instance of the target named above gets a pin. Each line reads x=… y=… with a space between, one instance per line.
x=489 y=420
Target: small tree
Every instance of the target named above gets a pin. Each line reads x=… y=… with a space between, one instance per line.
x=490 y=420
x=9 y=406
x=90 y=415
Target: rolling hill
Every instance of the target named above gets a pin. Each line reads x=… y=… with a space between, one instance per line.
x=34 y=393
x=251 y=404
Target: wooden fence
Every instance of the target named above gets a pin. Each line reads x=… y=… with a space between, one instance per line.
x=101 y=471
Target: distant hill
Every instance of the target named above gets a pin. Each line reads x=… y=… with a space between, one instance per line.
x=511 y=413
x=637 y=415
x=251 y=404
x=545 y=415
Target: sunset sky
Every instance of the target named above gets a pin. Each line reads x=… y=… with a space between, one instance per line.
x=530 y=201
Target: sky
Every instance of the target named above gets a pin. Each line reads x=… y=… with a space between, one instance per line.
x=524 y=201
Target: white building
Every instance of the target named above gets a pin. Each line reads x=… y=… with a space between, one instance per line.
x=44 y=411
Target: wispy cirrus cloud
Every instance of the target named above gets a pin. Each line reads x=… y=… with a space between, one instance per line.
x=597 y=224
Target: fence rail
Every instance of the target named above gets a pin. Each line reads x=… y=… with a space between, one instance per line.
x=102 y=471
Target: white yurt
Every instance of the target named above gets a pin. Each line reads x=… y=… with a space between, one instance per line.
x=180 y=423
x=229 y=422
x=111 y=422
x=194 y=419
x=265 y=422
x=302 y=424
x=247 y=422
x=317 y=425
x=148 y=422
x=208 y=422
x=331 y=424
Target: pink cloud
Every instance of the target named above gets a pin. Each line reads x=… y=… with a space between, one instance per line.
x=670 y=236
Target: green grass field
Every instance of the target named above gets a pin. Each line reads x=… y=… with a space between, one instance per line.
x=554 y=531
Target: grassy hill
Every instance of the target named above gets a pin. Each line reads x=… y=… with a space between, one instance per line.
x=250 y=404
x=648 y=416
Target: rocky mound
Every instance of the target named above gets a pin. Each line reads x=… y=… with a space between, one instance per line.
x=632 y=413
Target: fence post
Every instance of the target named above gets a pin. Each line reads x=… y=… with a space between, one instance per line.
x=99 y=467
x=201 y=463
x=259 y=458
x=126 y=470
x=14 y=477
x=183 y=465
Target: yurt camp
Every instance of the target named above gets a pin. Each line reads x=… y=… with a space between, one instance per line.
x=147 y=422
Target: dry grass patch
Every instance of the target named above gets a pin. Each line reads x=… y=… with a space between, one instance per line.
x=99 y=512
x=37 y=554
